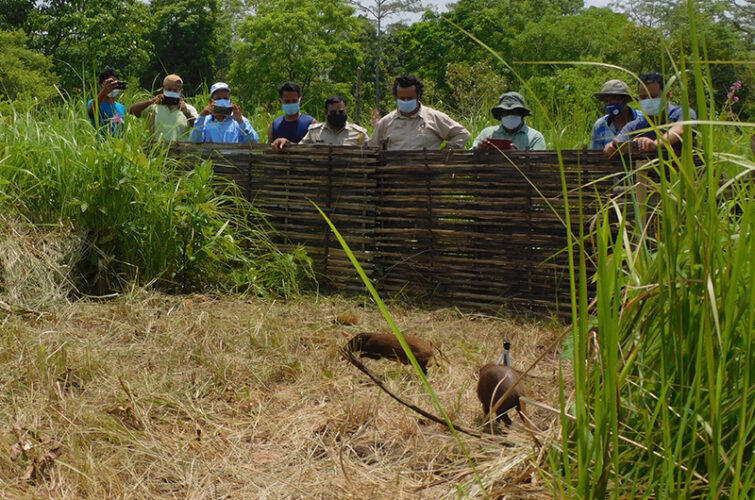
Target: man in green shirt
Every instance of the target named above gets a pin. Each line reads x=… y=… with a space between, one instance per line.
x=170 y=117
x=511 y=111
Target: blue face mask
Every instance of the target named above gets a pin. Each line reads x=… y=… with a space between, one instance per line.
x=651 y=107
x=291 y=109
x=225 y=103
x=614 y=109
x=406 y=106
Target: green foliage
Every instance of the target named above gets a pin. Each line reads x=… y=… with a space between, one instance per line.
x=23 y=72
x=84 y=36
x=189 y=38
x=308 y=42
x=148 y=217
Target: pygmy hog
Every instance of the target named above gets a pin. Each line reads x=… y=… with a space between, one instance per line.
x=499 y=378
x=384 y=345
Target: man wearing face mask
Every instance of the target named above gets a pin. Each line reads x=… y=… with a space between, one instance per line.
x=412 y=125
x=221 y=120
x=293 y=125
x=111 y=115
x=511 y=111
x=615 y=97
x=337 y=130
x=170 y=117
x=640 y=132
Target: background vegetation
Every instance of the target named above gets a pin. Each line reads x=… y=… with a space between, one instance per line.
x=256 y=45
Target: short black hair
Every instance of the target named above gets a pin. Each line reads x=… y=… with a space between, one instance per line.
x=289 y=87
x=649 y=78
x=107 y=73
x=334 y=99
x=408 y=81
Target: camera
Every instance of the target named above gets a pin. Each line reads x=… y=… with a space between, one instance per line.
x=170 y=101
x=120 y=85
x=222 y=110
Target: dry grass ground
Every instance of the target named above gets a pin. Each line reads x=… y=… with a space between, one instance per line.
x=198 y=397
x=154 y=396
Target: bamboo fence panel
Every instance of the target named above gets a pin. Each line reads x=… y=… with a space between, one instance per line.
x=476 y=230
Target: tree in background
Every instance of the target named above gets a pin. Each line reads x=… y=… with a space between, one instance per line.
x=15 y=14
x=312 y=43
x=191 y=38
x=23 y=72
x=380 y=11
x=83 y=36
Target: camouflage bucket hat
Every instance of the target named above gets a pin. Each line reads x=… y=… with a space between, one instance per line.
x=509 y=101
x=613 y=88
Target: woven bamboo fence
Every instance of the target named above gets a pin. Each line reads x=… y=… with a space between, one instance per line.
x=476 y=230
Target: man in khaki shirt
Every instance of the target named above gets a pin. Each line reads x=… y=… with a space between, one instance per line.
x=414 y=126
x=336 y=131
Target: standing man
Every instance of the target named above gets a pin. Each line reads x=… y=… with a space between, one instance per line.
x=337 y=130
x=221 y=120
x=511 y=111
x=293 y=125
x=170 y=117
x=640 y=132
x=111 y=114
x=415 y=126
x=616 y=98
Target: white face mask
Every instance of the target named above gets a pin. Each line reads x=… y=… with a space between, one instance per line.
x=511 y=122
x=114 y=93
x=651 y=107
x=175 y=95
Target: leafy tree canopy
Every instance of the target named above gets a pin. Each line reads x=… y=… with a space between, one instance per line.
x=23 y=71
x=309 y=42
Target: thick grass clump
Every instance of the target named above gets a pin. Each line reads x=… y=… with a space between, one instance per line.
x=142 y=215
x=663 y=403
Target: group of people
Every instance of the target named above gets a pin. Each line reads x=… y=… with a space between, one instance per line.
x=411 y=126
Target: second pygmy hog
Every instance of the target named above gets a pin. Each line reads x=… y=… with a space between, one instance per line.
x=385 y=345
x=495 y=380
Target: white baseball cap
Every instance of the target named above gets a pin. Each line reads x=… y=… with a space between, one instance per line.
x=219 y=86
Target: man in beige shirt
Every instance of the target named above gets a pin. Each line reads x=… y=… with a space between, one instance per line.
x=336 y=130
x=414 y=126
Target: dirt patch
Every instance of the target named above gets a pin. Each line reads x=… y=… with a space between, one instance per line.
x=155 y=396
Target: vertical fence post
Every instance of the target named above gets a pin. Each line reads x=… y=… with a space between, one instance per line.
x=358 y=99
x=328 y=211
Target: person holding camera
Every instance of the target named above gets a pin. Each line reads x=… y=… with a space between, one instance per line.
x=111 y=114
x=221 y=120
x=170 y=117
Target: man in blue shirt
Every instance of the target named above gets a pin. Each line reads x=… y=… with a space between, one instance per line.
x=639 y=131
x=112 y=114
x=221 y=120
x=293 y=125
x=616 y=98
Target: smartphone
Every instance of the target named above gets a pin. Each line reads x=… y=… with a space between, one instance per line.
x=170 y=101
x=500 y=143
x=222 y=110
x=120 y=85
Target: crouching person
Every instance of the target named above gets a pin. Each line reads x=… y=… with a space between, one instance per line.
x=221 y=120
x=337 y=130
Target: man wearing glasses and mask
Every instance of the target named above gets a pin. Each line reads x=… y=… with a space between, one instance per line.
x=337 y=130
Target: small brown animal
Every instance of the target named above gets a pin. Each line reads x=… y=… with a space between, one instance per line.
x=385 y=345
x=495 y=380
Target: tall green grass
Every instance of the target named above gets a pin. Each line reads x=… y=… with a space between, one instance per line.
x=662 y=405
x=148 y=217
